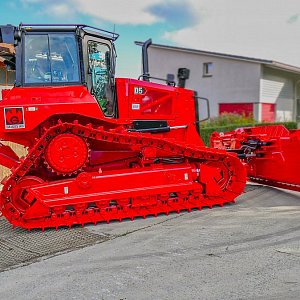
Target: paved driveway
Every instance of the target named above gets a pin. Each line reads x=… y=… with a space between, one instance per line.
x=249 y=250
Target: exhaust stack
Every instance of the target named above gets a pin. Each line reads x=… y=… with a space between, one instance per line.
x=146 y=73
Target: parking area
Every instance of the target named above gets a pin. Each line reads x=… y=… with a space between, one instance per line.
x=248 y=250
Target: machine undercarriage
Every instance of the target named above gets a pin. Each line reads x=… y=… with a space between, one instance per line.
x=190 y=177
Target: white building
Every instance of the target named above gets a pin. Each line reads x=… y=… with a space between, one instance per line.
x=268 y=90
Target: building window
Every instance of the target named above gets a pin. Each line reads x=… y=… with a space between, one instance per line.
x=207 y=69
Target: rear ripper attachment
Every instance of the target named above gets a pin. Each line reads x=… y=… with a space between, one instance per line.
x=191 y=177
x=270 y=153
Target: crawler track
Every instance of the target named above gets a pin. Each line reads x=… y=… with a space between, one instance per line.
x=205 y=177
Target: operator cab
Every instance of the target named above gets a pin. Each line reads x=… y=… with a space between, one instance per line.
x=61 y=55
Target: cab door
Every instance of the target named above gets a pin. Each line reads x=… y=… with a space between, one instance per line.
x=99 y=76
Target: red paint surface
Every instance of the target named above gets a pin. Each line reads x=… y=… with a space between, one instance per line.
x=268 y=112
x=5 y=93
x=236 y=108
x=273 y=151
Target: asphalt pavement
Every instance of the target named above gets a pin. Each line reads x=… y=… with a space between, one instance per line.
x=247 y=250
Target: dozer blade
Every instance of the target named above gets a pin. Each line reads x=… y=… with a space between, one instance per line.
x=271 y=153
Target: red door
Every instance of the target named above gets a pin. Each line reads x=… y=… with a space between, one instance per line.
x=236 y=108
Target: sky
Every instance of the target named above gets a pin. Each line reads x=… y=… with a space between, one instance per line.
x=267 y=29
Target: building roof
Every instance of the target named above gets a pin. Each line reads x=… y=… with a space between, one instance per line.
x=270 y=63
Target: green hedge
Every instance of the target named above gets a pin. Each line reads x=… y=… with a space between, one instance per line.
x=288 y=125
x=206 y=132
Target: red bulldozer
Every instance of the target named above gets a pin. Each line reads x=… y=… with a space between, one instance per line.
x=100 y=148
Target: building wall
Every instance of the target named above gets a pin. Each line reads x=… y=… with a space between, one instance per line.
x=278 y=88
x=232 y=81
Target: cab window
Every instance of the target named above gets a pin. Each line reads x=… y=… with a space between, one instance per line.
x=51 y=58
x=99 y=63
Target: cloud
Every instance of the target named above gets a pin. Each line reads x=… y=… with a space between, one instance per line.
x=31 y=1
x=60 y=10
x=118 y=11
x=258 y=28
x=179 y=14
x=239 y=27
x=134 y=12
x=115 y=11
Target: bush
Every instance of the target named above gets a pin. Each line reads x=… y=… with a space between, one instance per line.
x=229 y=122
x=228 y=118
x=288 y=125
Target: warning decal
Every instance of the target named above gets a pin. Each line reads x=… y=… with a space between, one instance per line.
x=14 y=117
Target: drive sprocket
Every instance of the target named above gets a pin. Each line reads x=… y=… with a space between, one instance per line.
x=66 y=153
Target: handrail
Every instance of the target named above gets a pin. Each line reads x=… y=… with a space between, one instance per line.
x=114 y=35
x=168 y=82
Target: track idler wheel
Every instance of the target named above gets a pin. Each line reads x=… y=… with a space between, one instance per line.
x=18 y=190
x=66 y=153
